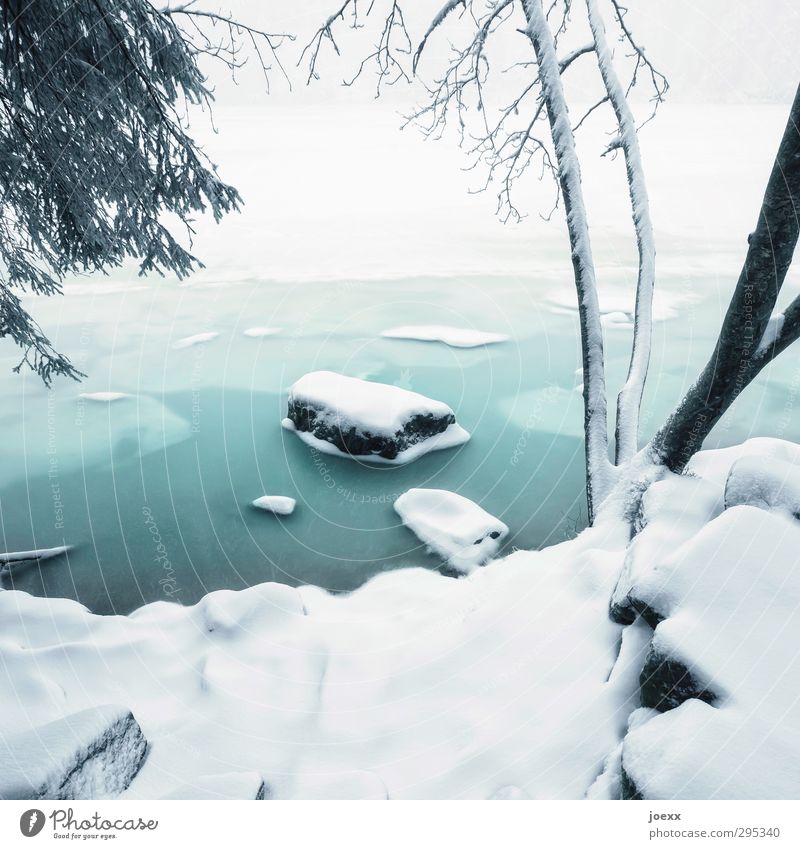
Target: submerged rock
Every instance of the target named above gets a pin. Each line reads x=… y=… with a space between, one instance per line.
x=454 y=527
x=86 y=755
x=368 y=420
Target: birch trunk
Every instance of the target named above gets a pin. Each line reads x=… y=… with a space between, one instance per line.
x=629 y=399
x=598 y=468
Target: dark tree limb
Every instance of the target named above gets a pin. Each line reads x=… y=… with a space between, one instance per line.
x=739 y=355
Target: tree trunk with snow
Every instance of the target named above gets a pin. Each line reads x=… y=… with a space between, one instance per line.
x=598 y=467
x=629 y=399
x=750 y=337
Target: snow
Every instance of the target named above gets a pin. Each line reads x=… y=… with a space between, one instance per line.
x=729 y=603
x=229 y=785
x=196 y=339
x=105 y=397
x=86 y=755
x=350 y=407
x=260 y=332
x=414 y=686
x=456 y=337
x=452 y=526
x=281 y=505
x=376 y=407
x=33 y=554
x=764 y=482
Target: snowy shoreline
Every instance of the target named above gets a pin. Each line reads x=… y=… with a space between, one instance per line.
x=512 y=682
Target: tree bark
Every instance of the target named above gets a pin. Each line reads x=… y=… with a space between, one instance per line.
x=598 y=467
x=629 y=399
x=737 y=358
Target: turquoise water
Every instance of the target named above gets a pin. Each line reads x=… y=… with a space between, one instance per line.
x=153 y=491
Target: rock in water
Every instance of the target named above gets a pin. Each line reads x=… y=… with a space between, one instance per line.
x=368 y=420
x=86 y=755
x=452 y=526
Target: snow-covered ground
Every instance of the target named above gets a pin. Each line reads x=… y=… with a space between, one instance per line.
x=510 y=683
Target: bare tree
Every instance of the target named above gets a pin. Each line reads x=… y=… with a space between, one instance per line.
x=508 y=140
x=508 y=145
x=94 y=144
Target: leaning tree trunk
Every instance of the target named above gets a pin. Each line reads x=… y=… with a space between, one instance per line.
x=742 y=348
x=598 y=467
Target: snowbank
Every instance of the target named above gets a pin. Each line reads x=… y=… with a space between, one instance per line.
x=454 y=527
x=511 y=683
x=456 y=337
x=374 y=421
x=726 y=610
x=86 y=755
x=230 y=785
x=281 y=505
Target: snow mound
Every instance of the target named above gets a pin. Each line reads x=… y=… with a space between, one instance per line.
x=197 y=339
x=765 y=482
x=261 y=332
x=86 y=755
x=456 y=337
x=103 y=397
x=229 y=785
x=281 y=505
x=452 y=526
x=726 y=610
x=374 y=421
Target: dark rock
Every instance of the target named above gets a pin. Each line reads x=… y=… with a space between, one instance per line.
x=417 y=428
x=666 y=682
x=624 y=612
x=628 y=787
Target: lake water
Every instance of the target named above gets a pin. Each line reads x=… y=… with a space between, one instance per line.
x=154 y=490
x=179 y=461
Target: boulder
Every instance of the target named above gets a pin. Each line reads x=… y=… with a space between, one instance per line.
x=369 y=420
x=86 y=755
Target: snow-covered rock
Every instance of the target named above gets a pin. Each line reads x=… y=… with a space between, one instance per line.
x=86 y=755
x=229 y=785
x=766 y=482
x=452 y=526
x=728 y=600
x=281 y=505
x=369 y=420
x=456 y=337
x=196 y=339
